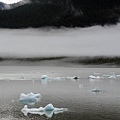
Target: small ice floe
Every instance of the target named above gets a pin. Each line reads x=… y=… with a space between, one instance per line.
x=30 y=98
x=37 y=95
x=112 y=76
x=28 y=101
x=49 y=107
x=44 y=76
x=95 y=90
x=33 y=77
x=80 y=85
x=96 y=73
x=94 y=77
x=48 y=110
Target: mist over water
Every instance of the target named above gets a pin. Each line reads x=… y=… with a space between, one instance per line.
x=93 y=41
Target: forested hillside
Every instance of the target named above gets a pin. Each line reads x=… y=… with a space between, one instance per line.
x=68 y=13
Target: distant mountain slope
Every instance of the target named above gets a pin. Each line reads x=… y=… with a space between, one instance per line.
x=69 y=13
x=1 y=6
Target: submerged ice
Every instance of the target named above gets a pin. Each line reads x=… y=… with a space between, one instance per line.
x=48 y=110
x=30 y=98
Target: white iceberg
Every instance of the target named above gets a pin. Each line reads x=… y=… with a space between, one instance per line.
x=30 y=98
x=94 y=77
x=48 y=110
x=37 y=95
x=28 y=101
x=95 y=90
x=33 y=77
x=49 y=107
x=112 y=76
x=44 y=76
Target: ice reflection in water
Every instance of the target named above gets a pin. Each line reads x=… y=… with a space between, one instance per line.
x=48 y=110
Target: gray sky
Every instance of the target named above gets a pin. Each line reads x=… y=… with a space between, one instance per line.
x=10 y=1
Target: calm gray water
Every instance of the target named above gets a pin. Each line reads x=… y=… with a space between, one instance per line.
x=82 y=104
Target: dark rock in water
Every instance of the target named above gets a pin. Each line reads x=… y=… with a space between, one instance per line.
x=75 y=77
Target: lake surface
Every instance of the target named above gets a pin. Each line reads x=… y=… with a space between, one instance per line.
x=82 y=104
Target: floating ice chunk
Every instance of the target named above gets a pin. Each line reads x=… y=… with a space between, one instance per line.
x=58 y=78
x=49 y=107
x=94 y=77
x=80 y=85
x=44 y=76
x=112 y=76
x=33 y=77
x=26 y=110
x=95 y=90
x=59 y=110
x=30 y=98
x=38 y=95
x=48 y=110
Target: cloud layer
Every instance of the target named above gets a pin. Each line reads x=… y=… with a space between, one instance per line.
x=93 y=41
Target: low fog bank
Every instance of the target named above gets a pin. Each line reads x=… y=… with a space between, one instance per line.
x=46 y=42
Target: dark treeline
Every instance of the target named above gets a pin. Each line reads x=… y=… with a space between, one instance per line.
x=96 y=60
x=69 y=13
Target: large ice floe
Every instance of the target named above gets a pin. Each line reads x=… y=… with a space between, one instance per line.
x=45 y=77
x=48 y=110
x=30 y=98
